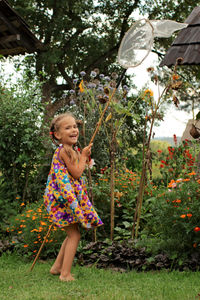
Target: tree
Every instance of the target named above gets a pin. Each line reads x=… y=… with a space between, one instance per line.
x=77 y=35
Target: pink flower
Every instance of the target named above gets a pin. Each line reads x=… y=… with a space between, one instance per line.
x=91 y=163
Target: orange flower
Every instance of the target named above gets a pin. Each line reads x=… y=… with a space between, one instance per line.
x=189 y=215
x=25 y=246
x=43 y=223
x=175 y=77
x=195 y=245
x=183 y=216
x=81 y=86
x=148 y=92
x=22 y=204
x=34 y=230
x=192 y=173
x=177 y=201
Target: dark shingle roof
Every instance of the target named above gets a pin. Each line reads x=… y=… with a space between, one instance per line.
x=187 y=43
x=15 y=36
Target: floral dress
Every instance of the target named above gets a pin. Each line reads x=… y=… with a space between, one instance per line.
x=66 y=198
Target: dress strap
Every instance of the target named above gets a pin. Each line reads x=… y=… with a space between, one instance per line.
x=58 y=154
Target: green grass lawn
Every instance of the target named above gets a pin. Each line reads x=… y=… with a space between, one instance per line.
x=17 y=282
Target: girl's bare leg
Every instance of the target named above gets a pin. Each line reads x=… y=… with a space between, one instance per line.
x=70 y=251
x=56 y=268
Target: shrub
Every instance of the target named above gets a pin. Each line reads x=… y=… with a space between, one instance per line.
x=22 y=146
x=175 y=215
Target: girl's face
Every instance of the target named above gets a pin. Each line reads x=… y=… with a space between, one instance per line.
x=68 y=131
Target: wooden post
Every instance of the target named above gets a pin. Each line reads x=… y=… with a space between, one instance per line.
x=42 y=245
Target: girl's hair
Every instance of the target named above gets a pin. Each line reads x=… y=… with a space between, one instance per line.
x=55 y=124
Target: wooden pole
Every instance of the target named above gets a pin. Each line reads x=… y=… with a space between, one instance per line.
x=102 y=115
x=42 y=245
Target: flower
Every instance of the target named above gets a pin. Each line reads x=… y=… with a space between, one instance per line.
x=72 y=91
x=75 y=81
x=107 y=78
x=93 y=74
x=192 y=173
x=148 y=92
x=175 y=77
x=81 y=87
x=91 y=163
x=150 y=69
x=196 y=229
x=189 y=215
x=82 y=73
x=183 y=216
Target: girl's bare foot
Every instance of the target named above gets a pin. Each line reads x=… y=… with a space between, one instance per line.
x=54 y=271
x=67 y=278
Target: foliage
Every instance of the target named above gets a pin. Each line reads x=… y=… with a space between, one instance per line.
x=125 y=193
x=175 y=215
x=124 y=118
x=123 y=255
x=177 y=162
x=21 y=142
x=85 y=36
x=28 y=229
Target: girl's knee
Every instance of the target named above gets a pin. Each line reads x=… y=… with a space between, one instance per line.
x=73 y=232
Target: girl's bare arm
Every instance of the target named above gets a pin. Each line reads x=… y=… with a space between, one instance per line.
x=76 y=168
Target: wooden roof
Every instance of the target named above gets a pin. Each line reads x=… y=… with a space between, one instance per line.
x=187 y=43
x=15 y=36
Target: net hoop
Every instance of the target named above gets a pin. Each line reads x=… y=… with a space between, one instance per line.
x=147 y=44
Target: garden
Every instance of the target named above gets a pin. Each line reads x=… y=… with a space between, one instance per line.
x=145 y=191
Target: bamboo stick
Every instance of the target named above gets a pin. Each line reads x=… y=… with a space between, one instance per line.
x=42 y=245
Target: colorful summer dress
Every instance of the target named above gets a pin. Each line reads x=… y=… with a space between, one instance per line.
x=66 y=198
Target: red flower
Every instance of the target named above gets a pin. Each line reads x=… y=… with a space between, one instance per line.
x=196 y=229
x=164 y=162
x=161 y=166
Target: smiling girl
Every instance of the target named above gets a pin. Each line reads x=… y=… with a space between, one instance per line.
x=66 y=198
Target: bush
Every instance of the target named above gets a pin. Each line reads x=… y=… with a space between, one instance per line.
x=22 y=146
x=28 y=230
x=175 y=215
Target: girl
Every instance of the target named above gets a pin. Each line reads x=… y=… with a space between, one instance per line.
x=66 y=198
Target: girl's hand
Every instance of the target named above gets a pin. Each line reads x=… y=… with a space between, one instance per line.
x=87 y=151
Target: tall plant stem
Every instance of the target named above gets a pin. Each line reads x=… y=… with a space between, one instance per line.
x=89 y=173
x=142 y=179
x=112 y=189
x=102 y=115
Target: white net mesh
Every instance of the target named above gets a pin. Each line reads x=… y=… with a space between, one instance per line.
x=138 y=40
x=136 y=44
x=165 y=28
